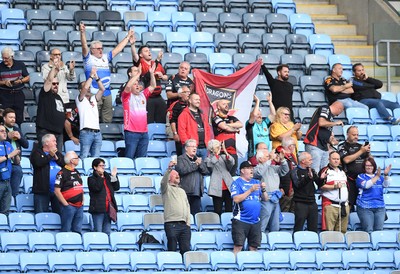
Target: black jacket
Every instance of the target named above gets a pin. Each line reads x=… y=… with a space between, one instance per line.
x=303 y=185
x=191 y=174
x=98 y=192
x=22 y=142
x=41 y=169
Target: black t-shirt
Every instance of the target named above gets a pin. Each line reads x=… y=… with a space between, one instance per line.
x=174 y=83
x=354 y=168
x=200 y=128
x=316 y=135
x=331 y=81
x=228 y=137
x=73 y=120
x=16 y=72
x=50 y=112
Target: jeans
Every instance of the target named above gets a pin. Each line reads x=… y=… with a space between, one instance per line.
x=303 y=212
x=381 y=106
x=371 y=219
x=178 y=232
x=105 y=109
x=202 y=153
x=320 y=158
x=90 y=142
x=102 y=223
x=195 y=204
x=15 y=180
x=350 y=103
x=136 y=144
x=5 y=197
x=71 y=218
x=269 y=216
x=41 y=203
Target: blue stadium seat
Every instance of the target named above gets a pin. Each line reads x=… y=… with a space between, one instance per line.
x=89 y=261
x=223 y=260
x=316 y=65
x=226 y=220
x=331 y=259
x=221 y=63
x=4 y=227
x=147 y=165
x=206 y=203
x=156 y=131
x=14 y=241
x=183 y=22
x=306 y=113
x=135 y=202
x=207 y=221
x=358 y=116
x=381 y=259
x=395 y=131
x=224 y=240
x=376 y=117
x=277 y=259
x=178 y=43
x=314 y=99
x=116 y=261
x=203 y=241
x=124 y=241
x=143 y=261
x=68 y=241
x=48 y=221
x=123 y=164
x=13 y=19
x=311 y=83
x=156 y=148
x=321 y=44
x=71 y=146
x=160 y=21
x=33 y=262
x=332 y=240
x=247 y=260
x=287 y=7
x=202 y=42
x=9 y=38
x=301 y=24
x=358 y=240
x=306 y=240
x=280 y=240
x=254 y=22
x=395 y=165
x=41 y=241
x=278 y=23
x=379 y=148
x=396 y=255
x=9 y=262
x=130 y=221
x=26 y=164
x=95 y=241
x=384 y=239
x=61 y=261
x=108 y=149
x=392 y=221
x=302 y=260
x=355 y=259
x=20 y=221
x=168 y=260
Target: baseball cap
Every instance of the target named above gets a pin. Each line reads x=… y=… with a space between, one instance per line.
x=245 y=164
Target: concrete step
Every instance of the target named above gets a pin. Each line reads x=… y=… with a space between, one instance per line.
x=329 y=18
x=316 y=8
x=349 y=39
x=336 y=29
x=355 y=50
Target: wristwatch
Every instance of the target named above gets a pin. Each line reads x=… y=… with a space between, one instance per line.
x=175 y=133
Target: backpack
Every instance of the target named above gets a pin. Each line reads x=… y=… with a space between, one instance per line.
x=146 y=238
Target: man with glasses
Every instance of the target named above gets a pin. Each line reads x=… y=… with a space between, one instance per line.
x=175 y=82
x=90 y=136
x=13 y=77
x=286 y=185
x=7 y=154
x=69 y=190
x=65 y=73
x=95 y=57
x=352 y=155
x=191 y=169
x=50 y=117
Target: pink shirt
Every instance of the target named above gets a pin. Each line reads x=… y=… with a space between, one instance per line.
x=135 y=113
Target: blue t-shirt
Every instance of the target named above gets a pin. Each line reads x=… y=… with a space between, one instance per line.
x=5 y=167
x=54 y=169
x=248 y=210
x=371 y=197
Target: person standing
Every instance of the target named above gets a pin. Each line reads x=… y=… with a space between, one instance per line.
x=305 y=181
x=7 y=154
x=46 y=161
x=370 y=203
x=225 y=127
x=247 y=194
x=335 y=206
x=134 y=100
x=319 y=135
x=102 y=186
x=176 y=211
x=65 y=73
x=193 y=124
x=50 y=117
x=220 y=179
x=95 y=57
x=281 y=88
x=270 y=210
x=90 y=136
x=257 y=127
x=175 y=82
x=284 y=127
x=68 y=189
x=13 y=77
x=191 y=170
x=352 y=155
x=286 y=186
x=15 y=138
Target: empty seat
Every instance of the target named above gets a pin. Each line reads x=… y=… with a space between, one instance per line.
x=89 y=261
x=208 y=221
x=116 y=261
x=33 y=262
x=202 y=42
x=226 y=42
x=250 y=43
x=301 y=24
x=221 y=260
x=332 y=240
x=278 y=23
x=207 y=22
x=41 y=241
x=168 y=260
x=130 y=221
x=221 y=63
x=321 y=44
x=183 y=21
x=20 y=221
x=280 y=240
x=231 y=22
x=247 y=260
x=255 y=23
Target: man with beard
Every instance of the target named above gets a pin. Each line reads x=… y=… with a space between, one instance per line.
x=177 y=81
x=225 y=128
x=176 y=109
x=353 y=155
x=192 y=124
x=281 y=89
x=257 y=126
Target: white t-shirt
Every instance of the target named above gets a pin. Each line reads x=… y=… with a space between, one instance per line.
x=88 y=113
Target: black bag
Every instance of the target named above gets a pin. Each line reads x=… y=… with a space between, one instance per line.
x=343 y=212
x=146 y=238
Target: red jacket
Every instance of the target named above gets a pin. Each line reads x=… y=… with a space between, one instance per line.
x=187 y=127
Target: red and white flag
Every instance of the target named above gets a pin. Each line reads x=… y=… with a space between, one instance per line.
x=238 y=88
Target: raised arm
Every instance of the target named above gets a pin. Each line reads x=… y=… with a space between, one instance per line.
x=255 y=111
x=122 y=44
x=50 y=77
x=135 y=55
x=85 y=48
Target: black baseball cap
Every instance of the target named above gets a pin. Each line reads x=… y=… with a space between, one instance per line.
x=245 y=164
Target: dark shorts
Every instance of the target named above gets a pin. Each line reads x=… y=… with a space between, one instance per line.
x=242 y=231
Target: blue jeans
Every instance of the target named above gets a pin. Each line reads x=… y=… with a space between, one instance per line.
x=71 y=218
x=102 y=223
x=269 y=216
x=320 y=158
x=90 y=142
x=136 y=144
x=381 y=106
x=15 y=180
x=178 y=232
x=5 y=197
x=371 y=219
x=202 y=152
x=41 y=203
x=350 y=103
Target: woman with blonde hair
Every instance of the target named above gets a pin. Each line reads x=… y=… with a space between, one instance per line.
x=220 y=179
x=284 y=127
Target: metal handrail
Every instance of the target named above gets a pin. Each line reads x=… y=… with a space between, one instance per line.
x=388 y=64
